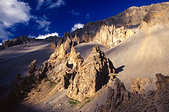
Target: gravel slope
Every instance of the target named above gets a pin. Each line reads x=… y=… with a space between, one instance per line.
x=16 y=59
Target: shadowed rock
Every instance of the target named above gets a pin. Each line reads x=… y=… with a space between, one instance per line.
x=120 y=100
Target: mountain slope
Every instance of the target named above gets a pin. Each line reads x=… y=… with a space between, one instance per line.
x=142 y=55
x=121 y=79
x=16 y=59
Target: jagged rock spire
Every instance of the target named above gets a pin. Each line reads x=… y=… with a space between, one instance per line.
x=91 y=76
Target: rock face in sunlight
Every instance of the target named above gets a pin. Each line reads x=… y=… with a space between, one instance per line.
x=63 y=66
x=83 y=78
x=110 y=36
x=111 y=31
x=91 y=75
x=140 y=85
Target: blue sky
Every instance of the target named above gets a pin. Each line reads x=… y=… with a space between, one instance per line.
x=41 y=17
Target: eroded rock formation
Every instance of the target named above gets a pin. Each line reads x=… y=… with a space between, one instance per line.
x=82 y=78
x=91 y=75
x=120 y=100
x=142 y=85
x=117 y=94
x=113 y=30
x=15 y=41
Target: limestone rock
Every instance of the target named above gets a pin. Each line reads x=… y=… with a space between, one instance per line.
x=111 y=31
x=141 y=85
x=32 y=68
x=41 y=71
x=63 y=67
x=162 y=82
x=67 y=44
x=76 y=40
x=91 y=76
x=74 y=58
x=59 y=53
x=111 y=36
x=162 y=96
x=120 y=100
x=117 y=94
x=15 y=41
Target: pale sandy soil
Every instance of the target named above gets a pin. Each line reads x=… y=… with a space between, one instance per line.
x=16 y=59
x=86 y=48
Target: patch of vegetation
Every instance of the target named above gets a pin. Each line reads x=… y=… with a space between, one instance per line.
x=74 y=102
x=84 y=102
x=87 y=99
x=53 y=84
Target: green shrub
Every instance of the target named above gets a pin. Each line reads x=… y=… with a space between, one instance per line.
x=74 y=102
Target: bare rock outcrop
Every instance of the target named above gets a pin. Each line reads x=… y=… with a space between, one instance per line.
x=15 y=41
x=142 y=85
x=67 y=44
x=83 y=78
x=91 y=75
x=76 y=40
x=162 y=82
x=110 y=36
x=59 y=53
x=121 y=100
x=32 y=68
x=63 y=66
x=117 y=94
x=111 y=31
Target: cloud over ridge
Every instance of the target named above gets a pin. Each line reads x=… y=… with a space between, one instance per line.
x=77 y=26
x=47 y=35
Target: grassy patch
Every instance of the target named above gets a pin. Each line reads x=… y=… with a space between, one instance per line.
x=74 y=102
x=87 y=99
x=84 y=102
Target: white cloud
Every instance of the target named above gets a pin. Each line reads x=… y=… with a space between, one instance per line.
x=75 y=12
x=40 y=3
x=50 y=4
x=47 y=35
x=43 y=24
x=12 y=12
x=57 y=4
x=0 y=44
x=4 y=35
x=77 y=26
